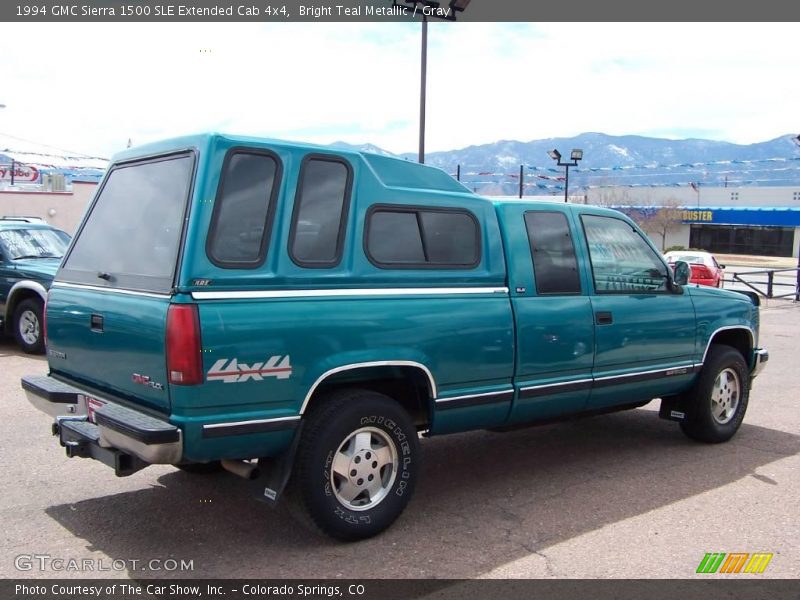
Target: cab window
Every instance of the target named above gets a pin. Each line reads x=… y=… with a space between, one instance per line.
x=555 y=267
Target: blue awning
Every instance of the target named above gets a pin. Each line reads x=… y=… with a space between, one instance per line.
x=765 y=216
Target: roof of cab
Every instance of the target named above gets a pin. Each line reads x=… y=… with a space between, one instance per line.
x=391 y=171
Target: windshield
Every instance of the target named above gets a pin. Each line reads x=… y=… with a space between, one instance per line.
x=33 y=243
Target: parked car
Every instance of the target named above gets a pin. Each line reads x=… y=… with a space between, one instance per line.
x=23 y=218
x=30 y=252
x=301 y=316
x=705 y=268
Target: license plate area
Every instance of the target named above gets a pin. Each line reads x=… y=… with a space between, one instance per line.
x=92 y=404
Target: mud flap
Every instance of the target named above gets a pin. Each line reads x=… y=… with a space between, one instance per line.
x=675 y=408
x=275 y=473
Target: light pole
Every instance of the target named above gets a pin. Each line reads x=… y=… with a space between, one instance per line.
x=430 y=8
x=576 y=155
x=796 y=140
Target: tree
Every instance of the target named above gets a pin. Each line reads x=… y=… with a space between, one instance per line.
x=661 y=219
x=655 y=217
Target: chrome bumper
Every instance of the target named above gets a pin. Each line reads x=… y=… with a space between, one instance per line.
x=115 y=427
x=761 y=357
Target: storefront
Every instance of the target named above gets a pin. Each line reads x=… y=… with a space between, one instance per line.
x=767 y=231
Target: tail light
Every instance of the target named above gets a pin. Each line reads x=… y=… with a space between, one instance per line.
x=184 y=351
x=702 y=272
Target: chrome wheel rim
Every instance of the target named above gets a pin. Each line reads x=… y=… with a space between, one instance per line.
x=364 y=468
x=29 y=327
x=725 y=396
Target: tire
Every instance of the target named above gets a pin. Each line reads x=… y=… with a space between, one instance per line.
x=355 y=437
x=718 y=401
x=28 y=326
x=201 y=468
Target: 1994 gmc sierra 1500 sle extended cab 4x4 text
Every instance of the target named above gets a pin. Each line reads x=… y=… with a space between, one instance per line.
x=300 y=315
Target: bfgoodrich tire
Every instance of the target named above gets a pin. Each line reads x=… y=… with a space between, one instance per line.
x=29 y=326
x=356 y=465
x=718 y=401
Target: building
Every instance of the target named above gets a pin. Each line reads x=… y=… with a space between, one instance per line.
x=762 y=221
x=756 y=221
x=40 y=181
x=60 y=209
x=28 y=165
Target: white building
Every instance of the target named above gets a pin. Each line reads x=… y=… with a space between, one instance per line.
x=759 y=221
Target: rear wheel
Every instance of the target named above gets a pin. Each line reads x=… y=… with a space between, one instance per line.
x=28 y=326
x=356 y=465
x=718 y=400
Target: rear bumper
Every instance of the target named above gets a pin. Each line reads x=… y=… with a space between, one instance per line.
x=760 y=358
x=118 y=432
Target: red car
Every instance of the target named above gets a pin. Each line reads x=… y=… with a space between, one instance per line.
x=705 y=268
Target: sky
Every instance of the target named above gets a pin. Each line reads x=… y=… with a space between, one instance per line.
x=90 y=87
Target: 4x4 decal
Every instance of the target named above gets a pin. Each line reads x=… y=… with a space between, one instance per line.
x=232 y=371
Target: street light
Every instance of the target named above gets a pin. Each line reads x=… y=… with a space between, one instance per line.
x=796 y=140
x=577 y=154
x=454 y=7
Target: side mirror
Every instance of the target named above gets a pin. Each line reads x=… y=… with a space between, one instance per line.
x=721 y=266
x=682 y=272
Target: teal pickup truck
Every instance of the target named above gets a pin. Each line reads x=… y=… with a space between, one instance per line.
x=301 y=316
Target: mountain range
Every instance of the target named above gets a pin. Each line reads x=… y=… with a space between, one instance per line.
x=627 y=160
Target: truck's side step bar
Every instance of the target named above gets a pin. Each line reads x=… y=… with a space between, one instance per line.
x=136 y=425
x=50 y=389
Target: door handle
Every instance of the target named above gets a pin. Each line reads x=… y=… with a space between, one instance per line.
x=96 y=323
x=603 y=318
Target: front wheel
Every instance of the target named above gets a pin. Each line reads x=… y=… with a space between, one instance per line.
x=719 y=398
x=357 y=464
x=28 y=326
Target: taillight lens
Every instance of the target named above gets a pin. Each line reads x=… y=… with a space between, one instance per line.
x=184 y=352
x=702 y=272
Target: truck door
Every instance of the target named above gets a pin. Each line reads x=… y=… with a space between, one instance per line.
x=645 y=328
x=553 y=313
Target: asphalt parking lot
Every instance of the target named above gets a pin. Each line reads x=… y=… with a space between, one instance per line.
x=616 y=496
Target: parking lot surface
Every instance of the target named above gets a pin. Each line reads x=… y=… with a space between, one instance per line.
x=617 y=496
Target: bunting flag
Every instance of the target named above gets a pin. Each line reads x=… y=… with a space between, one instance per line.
x=695 y=165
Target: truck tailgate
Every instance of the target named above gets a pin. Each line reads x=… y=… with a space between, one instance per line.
x=110 y=340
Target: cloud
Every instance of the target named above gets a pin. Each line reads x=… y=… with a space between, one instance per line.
x=90 y=87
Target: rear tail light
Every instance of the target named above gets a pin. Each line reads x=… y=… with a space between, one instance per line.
x=184 y=351
x=702 y=272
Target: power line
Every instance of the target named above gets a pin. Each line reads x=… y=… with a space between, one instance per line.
x=71 y=153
